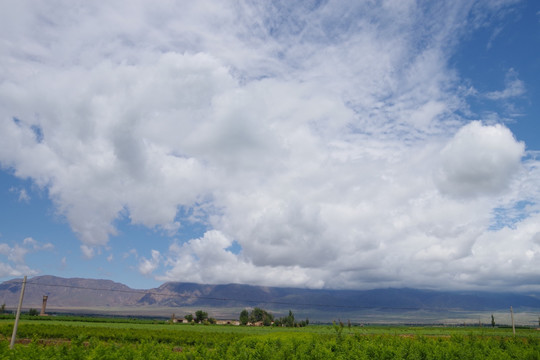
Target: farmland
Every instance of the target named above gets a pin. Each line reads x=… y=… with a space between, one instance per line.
x=67 y=338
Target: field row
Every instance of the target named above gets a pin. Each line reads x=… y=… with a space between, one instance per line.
x=79 y=340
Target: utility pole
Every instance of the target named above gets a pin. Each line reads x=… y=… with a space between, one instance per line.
x=513 y=325
x=18 y=314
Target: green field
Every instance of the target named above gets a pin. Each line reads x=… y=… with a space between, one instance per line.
x=71 y=338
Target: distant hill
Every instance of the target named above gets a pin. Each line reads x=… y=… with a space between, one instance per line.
x=81 y=293
x=182 y=294
x=62 y=292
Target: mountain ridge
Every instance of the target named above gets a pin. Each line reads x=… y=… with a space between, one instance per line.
x=84 y=292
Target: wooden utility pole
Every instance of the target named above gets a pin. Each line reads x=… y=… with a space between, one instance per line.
x=18 y=315
x=513 y=325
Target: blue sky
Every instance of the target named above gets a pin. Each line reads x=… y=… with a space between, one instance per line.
x=310 y=144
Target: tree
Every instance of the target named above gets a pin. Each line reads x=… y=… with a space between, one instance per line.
x=200 y=316
x=244 y=317
x=492 y=321
x=189 y=317
x=267 y=320
x=3 y=308
x=257 y=314
x=33 y=312
x=339 y=330
x=289 y=321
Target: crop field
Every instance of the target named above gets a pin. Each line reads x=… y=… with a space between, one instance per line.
x=71 y=338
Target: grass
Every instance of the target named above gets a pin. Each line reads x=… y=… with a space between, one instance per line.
x=94 y=338
x=146 y=324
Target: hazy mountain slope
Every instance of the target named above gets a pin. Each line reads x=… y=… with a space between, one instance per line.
x=62 y=292
x=181 y=294
x=76 y=292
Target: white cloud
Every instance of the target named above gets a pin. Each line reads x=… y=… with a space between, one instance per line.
x=514 y=87
x=207 y=260
x=20 y=270
x=34 y=245
x=131 y=252
x=14 y=263
x=88 y=252
x=324 y=140
x=23 y=194
x=479 y=160
x=63 y=263
x=17 y=254
x=508 y=256
x=147 y=266
x=4 y=249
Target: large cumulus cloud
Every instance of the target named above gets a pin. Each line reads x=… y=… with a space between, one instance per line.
x=479 y=160
x=109 y=144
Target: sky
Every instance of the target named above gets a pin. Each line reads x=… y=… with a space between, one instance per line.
x=316 y=144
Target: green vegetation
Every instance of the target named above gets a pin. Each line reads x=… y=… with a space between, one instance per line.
x=289 y=321
x=257 y=315
x=61 y=339
x=201 y=317
x=72 y=318
x=244 y=317
x=260 y=316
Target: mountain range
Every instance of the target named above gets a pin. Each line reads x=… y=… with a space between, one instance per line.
x=70 y=293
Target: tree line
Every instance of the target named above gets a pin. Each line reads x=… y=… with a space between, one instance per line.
x=263 y=317
x=257 y=316
x=201 y=317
